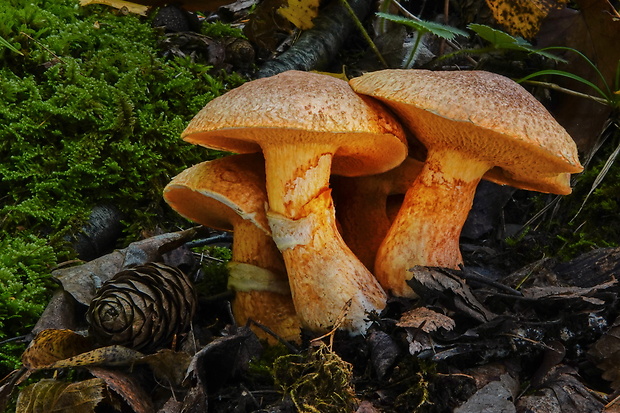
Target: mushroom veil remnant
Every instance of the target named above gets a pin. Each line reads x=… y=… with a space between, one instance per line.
x=474 y=124
x=229 y=194
x=309 y=126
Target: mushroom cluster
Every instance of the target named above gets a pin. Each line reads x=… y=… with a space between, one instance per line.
x=300 y=134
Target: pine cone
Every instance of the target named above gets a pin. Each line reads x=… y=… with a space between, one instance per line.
x=142 y=307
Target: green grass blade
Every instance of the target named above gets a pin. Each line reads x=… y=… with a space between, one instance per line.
x=587 y=60
x=568 y=75
x=5 y=43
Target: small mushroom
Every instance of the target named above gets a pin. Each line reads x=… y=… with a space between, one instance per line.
x=308 y=126
x=365 y=206
x=229 y=194
x=472 y=123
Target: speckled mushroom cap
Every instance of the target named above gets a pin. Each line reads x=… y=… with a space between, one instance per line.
x=487 y=115
x=302 y=106
x=218 y=193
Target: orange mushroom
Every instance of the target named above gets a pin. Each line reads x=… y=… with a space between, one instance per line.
x=365 y=204
x=229 y=194
x=308 y=126
x=472 y=123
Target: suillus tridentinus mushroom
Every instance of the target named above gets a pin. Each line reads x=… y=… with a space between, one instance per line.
x=472 y=123
x=308 y=126
x=229 y=194
x=365 y=204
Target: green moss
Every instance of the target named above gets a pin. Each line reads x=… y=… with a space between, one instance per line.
x=91 y=114
x=25 y=267
x=214 y=270
x=219 y=29
x=319 y=381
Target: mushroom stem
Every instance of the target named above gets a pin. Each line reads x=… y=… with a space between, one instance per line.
x=251 y=245
x=297 y=173
x=426 y=230
x=323 y=272
x=258 y=276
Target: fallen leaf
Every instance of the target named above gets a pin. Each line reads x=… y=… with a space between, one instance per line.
x=60 y=313
x=228 y=356
x=523 y=17
x=51 y=345
x=451 y=289
x=384 y=352
x=605 y=353
x=126 y=386
x=496 y=396
x=83 y=280
x=122 y=5
x=49 y=395
x=300 y=12
x=104 y=356
x=266 y=27
x=168 y=366
x=425 y=319
x=9 y=383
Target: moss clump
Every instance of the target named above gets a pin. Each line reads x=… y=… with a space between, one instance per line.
x=91 y=113
x=25 y=266
x=214 y=271
x=218 y=29
x=319 y=381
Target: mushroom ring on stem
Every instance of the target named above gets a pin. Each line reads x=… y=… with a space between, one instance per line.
x=474 y=124
x=308 y=126
x=229 y=194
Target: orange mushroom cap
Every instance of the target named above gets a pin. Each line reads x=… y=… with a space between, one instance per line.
x=229 y=194
x=307 y=126
x=473 y=124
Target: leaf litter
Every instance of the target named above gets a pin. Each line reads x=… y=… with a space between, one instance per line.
x=545 y=311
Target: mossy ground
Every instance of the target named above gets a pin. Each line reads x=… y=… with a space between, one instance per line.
x=91 y=114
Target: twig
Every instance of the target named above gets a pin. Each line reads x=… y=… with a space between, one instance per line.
x=364 y=33
x=316 y=47
x=47 y=49
x=559 y=88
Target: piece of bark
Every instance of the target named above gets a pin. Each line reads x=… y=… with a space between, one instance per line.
x=317 y=46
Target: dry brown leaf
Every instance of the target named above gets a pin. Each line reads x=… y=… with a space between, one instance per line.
x=104 y=356
x=83 y=281
x=605 y=352
x=168 y=366
x=425 y=319
x=51 y=345
x=523 y=17
x=127 y=387
x=51 y=395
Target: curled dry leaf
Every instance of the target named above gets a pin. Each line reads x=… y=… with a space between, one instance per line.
x=104 y=356
x=168 y=366
x=496 y=396
x=425 y=319
x=83 y=281
x=50 y=346
x=126 y=386
x=605 y=353
x=450 y=289
x=49 y=395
